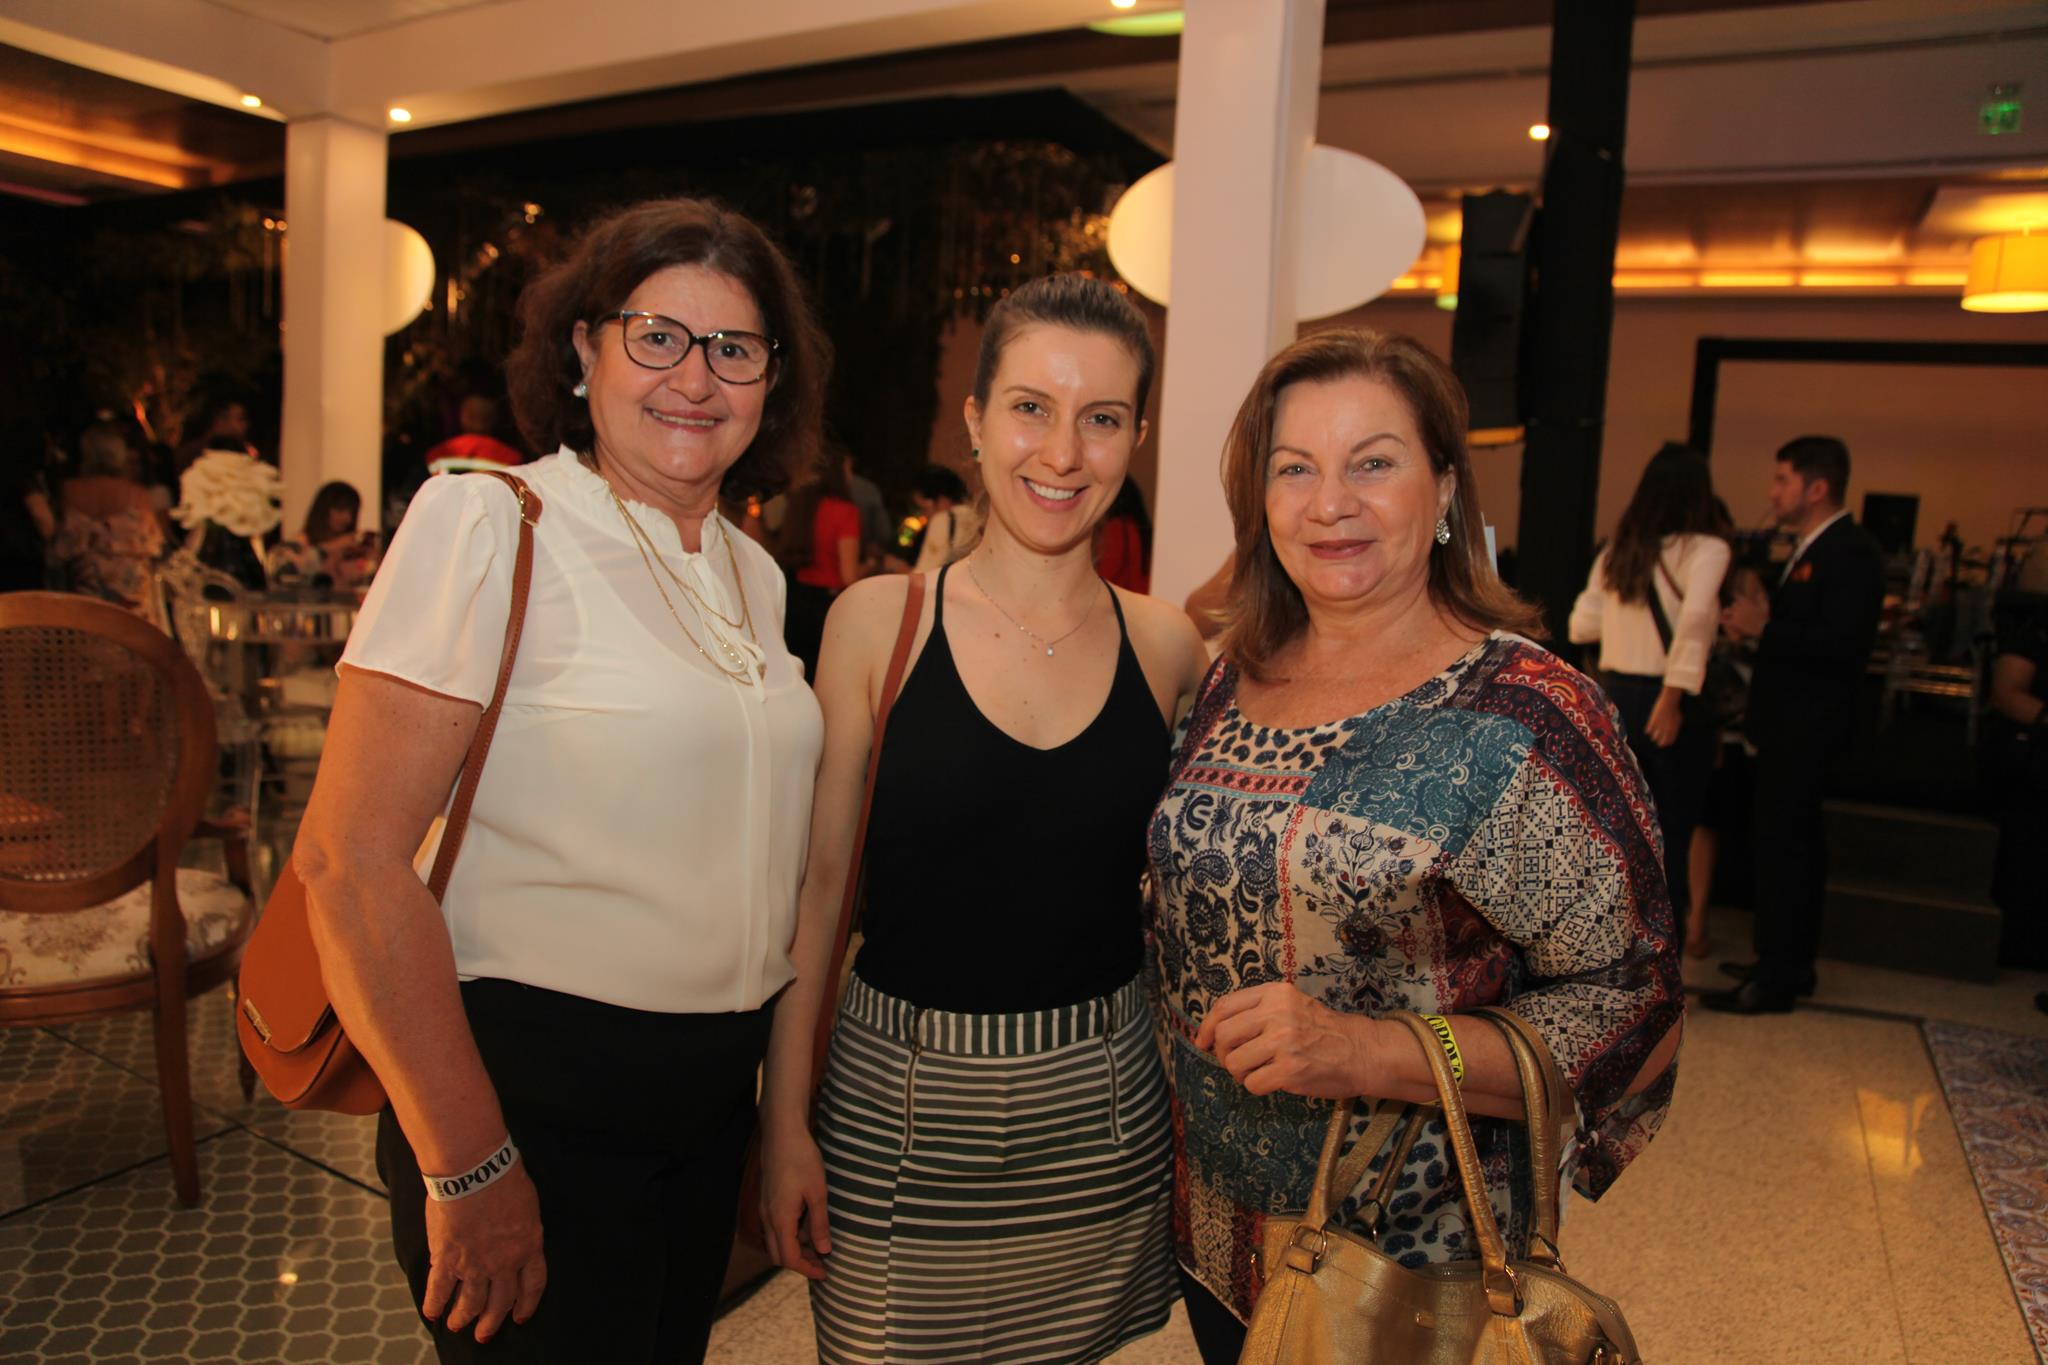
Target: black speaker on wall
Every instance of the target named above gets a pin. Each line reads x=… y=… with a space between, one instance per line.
x=1891 y=519
x=1486 y=331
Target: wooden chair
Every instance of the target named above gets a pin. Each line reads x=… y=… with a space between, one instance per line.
x=107 y=755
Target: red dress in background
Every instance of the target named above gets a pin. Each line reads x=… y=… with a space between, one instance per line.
x=835 y=520
x=1120 y=555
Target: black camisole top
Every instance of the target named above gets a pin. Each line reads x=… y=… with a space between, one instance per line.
x=1000 y=877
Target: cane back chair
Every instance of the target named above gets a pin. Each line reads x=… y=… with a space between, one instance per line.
x=107 y=754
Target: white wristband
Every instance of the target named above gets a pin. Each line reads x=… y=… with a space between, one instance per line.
x=443 y=1188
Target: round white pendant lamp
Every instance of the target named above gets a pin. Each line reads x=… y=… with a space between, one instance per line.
x=408 y=274
x=1360 y=228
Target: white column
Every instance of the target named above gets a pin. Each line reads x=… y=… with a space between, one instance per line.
x=333 y=325
x=1246 y=118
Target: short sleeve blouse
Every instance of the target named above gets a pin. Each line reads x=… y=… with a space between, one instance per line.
x=639 y=832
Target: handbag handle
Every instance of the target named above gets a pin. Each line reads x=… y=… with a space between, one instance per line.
x=1495 y=1277
x=487 y=725
x=892 y=683
x=1549 y=1117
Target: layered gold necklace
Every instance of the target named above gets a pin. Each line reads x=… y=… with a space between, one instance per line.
x=734 y=662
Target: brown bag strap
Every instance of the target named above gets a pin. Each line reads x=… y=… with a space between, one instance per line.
x=1335 y=1178
x=892 y=682
x=487 y=724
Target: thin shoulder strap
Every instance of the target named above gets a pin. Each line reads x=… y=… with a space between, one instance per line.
x=487 y=725
x=892 y=683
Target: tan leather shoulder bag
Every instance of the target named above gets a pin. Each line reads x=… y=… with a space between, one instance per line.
x=286 y=1020
x=1332 y=1296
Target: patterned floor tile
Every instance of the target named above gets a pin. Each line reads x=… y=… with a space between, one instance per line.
x=346 y=1143
x=68 y=1116
x=284 y=1262
x=1997 y=1088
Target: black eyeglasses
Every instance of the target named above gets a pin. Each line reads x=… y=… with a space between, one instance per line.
x=655 y=342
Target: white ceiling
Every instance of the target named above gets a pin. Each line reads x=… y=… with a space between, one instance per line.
x=332 y=19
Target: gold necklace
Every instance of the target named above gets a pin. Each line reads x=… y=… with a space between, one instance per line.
x=737 y=661
x=704 y=607
x=1085 y=616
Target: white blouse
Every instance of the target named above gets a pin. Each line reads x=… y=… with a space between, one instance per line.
x=639 y=832
x=1627 y=632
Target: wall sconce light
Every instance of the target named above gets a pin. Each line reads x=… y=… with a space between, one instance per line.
x=2008 y=274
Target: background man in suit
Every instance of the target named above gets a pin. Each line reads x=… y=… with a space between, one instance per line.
x=1813 y=645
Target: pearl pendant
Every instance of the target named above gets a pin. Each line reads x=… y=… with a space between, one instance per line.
x=1048 y=651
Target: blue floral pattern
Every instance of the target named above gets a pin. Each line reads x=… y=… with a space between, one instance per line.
x=1484 y=839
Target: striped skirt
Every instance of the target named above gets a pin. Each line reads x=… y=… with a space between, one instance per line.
x=1000 y=1185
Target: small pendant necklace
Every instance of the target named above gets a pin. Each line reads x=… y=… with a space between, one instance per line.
x=1085 y=616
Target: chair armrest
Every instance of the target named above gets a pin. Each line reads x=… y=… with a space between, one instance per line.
x=233 y=832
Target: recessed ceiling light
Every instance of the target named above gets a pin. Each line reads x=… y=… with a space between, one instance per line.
x=1123 y=4
x=399 y=115
x=1539 y=132
x=252 y=102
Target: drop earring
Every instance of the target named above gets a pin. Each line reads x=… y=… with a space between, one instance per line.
x=582 y=389
x=1443 y=531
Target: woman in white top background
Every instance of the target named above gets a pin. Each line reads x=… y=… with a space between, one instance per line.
x=593 y=982
x=1652 y=602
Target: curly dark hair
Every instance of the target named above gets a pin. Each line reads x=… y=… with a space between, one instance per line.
x=610 y=259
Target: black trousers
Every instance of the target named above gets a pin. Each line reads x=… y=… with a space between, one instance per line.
x=1677 y=776
x=1219 y=1336
x=634 y=1127
x=1791 y=861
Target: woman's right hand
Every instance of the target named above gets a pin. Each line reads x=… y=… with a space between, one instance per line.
x=486 y=1256
x=793 y=1203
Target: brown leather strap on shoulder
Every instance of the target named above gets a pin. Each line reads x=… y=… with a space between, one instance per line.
x=487 y=724
x=892 y=683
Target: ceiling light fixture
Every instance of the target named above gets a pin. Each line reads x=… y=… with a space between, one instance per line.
x=1539 y=132
x=252 y=102
x=1158 y=24
x=1123 y=4
x=400 y=115
x=2008 y=274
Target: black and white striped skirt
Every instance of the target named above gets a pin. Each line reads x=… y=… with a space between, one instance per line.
x=1000 y=1184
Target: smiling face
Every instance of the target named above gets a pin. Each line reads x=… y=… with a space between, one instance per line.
x=667 y=437
x=1351 y=500
x=1057 y=434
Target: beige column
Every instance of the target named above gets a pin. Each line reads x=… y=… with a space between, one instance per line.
x=333 y=325
x=1243 y=126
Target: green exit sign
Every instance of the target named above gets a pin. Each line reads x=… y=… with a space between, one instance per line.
x=2000 y=113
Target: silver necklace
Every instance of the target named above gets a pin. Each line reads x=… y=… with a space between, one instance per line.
x=1085 y=616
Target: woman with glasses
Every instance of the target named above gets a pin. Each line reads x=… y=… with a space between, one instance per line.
x=570 y=1039
x=990 y=1180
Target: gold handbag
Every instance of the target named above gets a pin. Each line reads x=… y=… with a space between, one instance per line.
x=1331 y=1296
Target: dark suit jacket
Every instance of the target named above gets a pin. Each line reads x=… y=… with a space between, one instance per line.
x=1812 y=656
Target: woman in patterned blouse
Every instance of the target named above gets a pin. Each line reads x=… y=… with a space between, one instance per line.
x=1388 y=799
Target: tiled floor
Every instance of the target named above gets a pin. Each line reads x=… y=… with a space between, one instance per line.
x=1808 y=1201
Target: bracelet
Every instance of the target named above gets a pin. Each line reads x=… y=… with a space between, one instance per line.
x=1441 y=1027
x=443 y=1188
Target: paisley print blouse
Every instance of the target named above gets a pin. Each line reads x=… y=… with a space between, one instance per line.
x=1485 y=839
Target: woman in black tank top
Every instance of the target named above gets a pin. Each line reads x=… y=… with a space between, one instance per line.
x=991 y=1176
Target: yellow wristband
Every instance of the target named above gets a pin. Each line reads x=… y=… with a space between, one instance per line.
x=1442 y=1028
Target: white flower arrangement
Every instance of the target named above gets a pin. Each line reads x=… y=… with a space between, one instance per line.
x=234 y=490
